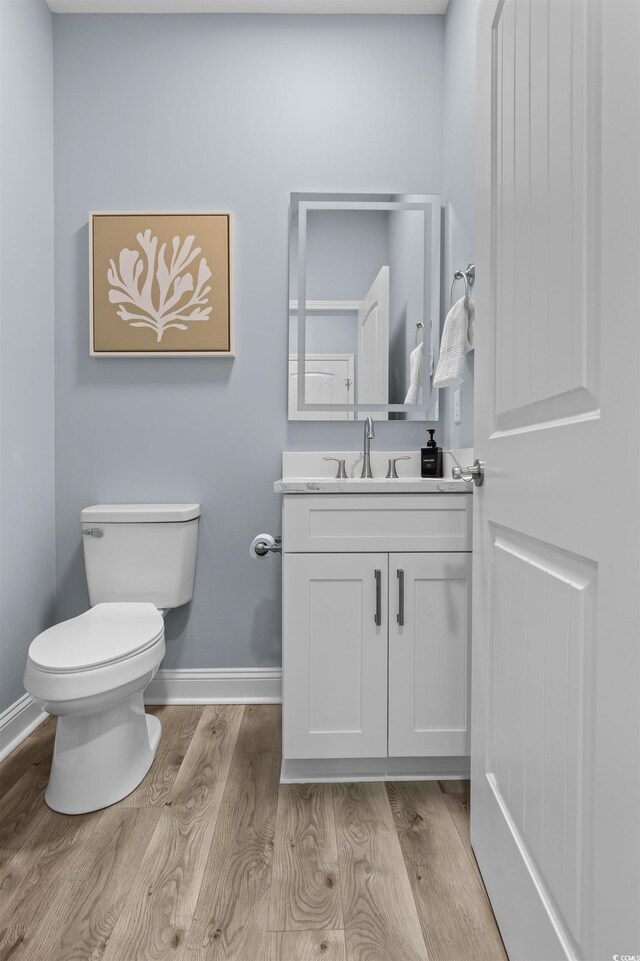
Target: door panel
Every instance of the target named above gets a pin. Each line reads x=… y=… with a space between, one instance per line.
x=335 y=656
x=328 y=380
x=373 y=346
x=556 y=546
x=541 y=705
x=546 y=225
x=428 y=654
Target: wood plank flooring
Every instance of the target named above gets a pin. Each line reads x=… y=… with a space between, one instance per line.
x=211 y=859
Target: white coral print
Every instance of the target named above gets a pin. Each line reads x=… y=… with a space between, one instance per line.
x=173 y=284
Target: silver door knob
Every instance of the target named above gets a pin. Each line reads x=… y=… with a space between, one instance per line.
x=475 y=473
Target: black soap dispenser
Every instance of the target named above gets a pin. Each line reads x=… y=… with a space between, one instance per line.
x=431 y=458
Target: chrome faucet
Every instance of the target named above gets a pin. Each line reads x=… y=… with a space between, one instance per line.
x=369 y=434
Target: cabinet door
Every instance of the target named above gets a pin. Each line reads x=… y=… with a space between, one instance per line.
x=429 y=637
x=335 y=655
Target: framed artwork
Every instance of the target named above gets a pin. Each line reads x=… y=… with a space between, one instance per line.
x=161 y=285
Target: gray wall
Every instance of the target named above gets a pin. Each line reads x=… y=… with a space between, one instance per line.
x=26 y=336
x=206 y=113
x=459 y=187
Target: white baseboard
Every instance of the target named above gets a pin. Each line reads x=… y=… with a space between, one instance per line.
x=221 y=686
x=17 y=722
x=240 y=685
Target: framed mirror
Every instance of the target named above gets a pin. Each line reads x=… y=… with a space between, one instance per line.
x=364 y=303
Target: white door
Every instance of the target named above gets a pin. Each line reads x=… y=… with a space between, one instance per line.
x=429 y=630
x=335 y=655
x=555 y=807
x=373 y=346
x=328 y=380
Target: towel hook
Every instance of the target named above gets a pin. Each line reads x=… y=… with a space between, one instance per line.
x=419 y=327
x=469 y=277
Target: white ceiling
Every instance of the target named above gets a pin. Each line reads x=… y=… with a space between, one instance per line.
x=249 y=6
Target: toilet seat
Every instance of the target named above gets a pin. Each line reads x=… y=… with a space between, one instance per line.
x=106 y=648
x=105 y=634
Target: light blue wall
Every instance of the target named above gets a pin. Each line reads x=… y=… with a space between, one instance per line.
x=409 y=260
x=345 y=251
x=206 y=113
x=459 y=186
x=26 y=336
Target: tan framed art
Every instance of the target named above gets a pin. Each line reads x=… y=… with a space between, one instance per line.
x=161 y=285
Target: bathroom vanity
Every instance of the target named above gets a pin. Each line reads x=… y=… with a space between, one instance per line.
x=376 y=567
x=376 y=622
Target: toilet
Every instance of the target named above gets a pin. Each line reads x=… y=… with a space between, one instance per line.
x=92 y=670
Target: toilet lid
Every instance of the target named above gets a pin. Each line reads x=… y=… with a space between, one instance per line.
x=102 y=635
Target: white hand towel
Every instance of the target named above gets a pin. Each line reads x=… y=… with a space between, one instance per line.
x=457 y=340
x=415 y=375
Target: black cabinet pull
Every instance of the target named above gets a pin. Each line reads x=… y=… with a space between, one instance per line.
x=378 y=614
x=400 y=597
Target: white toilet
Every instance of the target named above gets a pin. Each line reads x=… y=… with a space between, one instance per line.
x=91 y=671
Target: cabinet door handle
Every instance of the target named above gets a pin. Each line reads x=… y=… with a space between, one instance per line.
x=400 y=574
x=378 y=614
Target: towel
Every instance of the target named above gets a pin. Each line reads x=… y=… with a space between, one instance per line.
x=457 y=340
x=415 y=375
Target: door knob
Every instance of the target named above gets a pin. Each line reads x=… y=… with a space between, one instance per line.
x=475 y=473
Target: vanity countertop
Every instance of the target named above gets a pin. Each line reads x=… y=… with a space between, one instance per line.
x=307 y=472
x=377 y=485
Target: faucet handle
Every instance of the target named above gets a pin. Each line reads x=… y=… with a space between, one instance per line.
x=341 y=473
x=392 y=473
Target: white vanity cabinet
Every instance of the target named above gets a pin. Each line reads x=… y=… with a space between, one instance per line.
x=429 y=654
x=376 y=630
x=335 y=665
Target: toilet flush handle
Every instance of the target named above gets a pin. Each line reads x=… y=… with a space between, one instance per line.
x=93 y=532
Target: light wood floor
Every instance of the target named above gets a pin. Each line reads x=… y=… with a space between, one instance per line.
x=210 y=858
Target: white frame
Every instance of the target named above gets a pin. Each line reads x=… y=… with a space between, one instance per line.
x=300 y=204
x=166 y=353
x=394 y=7
x=326 y=306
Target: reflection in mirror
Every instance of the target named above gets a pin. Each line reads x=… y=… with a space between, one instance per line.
x=366 y=268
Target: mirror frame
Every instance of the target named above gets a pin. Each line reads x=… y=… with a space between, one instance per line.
x=300 y=205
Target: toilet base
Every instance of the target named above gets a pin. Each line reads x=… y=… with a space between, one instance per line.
x=99 y=759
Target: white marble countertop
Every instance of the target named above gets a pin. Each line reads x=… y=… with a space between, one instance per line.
x=307 y=472
x=377 y=485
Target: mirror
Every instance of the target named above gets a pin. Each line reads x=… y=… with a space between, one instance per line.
x=366 y=270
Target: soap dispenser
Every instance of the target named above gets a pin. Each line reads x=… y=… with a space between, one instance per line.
x=431 y=458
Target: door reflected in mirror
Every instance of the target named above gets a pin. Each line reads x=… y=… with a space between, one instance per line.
x=366 y=268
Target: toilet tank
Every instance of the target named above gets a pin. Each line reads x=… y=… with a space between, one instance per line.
x=140 y=552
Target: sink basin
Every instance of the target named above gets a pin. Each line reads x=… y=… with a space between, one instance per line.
x=306 y=472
